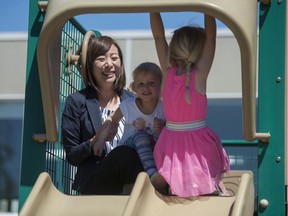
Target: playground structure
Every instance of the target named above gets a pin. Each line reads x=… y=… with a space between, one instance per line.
x=240 y=17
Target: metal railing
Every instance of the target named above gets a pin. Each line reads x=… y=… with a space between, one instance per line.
x=61 y=172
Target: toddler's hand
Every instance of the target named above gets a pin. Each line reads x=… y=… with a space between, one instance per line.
x=158 y=125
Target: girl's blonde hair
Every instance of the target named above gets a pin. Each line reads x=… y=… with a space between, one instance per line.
x=185 y=49
x=146 y=68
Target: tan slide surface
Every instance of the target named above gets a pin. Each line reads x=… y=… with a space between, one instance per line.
x=45 y=199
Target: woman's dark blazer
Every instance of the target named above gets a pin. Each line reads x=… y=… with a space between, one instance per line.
x=80 y=120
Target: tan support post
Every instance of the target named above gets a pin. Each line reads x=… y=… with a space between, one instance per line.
x=42 y=5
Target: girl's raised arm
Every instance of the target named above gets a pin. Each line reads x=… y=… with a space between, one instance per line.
x=161 y=44
x=205 y=62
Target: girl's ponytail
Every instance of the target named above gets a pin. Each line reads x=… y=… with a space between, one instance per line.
x=187 y=82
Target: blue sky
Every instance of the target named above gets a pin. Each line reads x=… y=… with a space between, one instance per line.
x=140 y=21
x=14 y=16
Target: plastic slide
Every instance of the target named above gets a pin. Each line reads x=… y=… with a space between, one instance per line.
x=45 y=199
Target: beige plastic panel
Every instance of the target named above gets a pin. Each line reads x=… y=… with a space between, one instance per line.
x=239 y=15
x=45 y=199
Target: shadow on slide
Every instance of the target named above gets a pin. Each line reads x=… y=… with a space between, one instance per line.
x=45 y=199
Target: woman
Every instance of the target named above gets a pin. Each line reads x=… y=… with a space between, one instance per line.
x=83 y=115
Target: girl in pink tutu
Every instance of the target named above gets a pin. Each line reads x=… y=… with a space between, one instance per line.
x=188 y=154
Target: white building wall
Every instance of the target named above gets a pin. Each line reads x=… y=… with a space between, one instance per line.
x=13 y=58
x=137 y=46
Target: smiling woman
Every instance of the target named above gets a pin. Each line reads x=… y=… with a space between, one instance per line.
x=108 y=170
x=104 y=55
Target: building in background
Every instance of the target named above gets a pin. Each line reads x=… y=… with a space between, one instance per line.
x=12 y=89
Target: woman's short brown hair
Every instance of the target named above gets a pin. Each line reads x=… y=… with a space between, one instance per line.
x=100 y=46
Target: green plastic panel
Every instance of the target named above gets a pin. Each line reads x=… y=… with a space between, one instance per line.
x=271 y=165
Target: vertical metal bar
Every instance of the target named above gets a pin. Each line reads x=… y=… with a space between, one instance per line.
x=32 y=152
x=271 y=185
x=286 y=106
x=60 y=170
